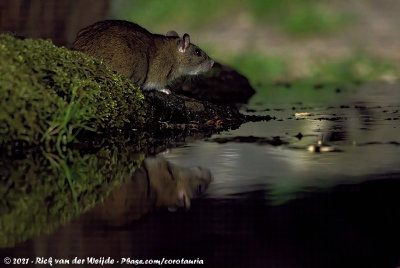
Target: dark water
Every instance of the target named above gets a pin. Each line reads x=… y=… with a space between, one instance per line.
x=326 y=195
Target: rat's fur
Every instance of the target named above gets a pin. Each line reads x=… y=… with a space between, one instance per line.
x=149 y=60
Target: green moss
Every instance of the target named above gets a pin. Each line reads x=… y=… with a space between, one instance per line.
x=42 y=191
x=48 y=95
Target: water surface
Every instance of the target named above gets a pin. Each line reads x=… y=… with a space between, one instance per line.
x=317 y=186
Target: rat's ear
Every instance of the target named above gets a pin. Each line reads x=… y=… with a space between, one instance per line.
x=172 y=33
x=184 y=43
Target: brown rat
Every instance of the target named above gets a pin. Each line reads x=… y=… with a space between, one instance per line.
x=150 y=60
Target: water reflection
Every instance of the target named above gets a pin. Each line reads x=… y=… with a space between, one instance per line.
x=348 y=153
x=347 y=226
x=157 y=183
x=40 y=191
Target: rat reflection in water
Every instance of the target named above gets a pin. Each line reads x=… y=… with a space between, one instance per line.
x=158 y=183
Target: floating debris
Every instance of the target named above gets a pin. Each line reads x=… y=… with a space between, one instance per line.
x=299 y=136
x=302 y=115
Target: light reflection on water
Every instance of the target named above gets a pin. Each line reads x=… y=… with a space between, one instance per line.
x=366 y=143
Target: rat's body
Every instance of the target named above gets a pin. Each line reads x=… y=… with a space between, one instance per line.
x=149 y=60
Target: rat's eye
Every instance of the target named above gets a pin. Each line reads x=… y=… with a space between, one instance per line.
x=197 y=52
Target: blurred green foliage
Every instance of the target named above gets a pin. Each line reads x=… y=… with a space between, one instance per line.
x=190 y=14
x=259 y=68
x=360 y=67
x=296 y=17
x=296 y=20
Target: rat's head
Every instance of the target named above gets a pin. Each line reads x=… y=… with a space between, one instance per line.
x=176 y=186
x=191 y=59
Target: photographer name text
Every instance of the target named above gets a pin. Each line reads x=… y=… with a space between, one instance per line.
x=50 y=261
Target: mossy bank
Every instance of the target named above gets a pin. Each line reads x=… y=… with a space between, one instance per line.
x=48 y=95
